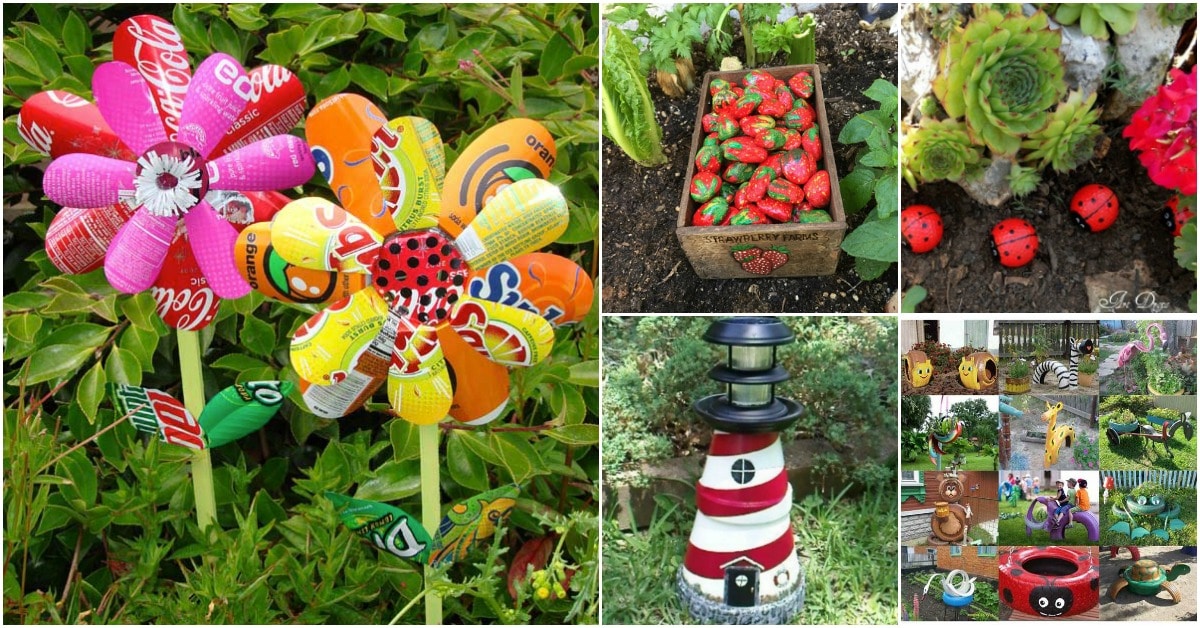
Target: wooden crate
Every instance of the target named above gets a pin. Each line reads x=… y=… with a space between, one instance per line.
x=812 y=249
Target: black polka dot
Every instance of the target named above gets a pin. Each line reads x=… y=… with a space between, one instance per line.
x=431 y=241
x=406 y=292
x=381 y=281
x=440 y=312
x=384 y=264
x=458 y=280
x=413 y=245
x=422 y=317
x=1108 y=204
x=413 y=262
x=446 y=249
x=422 y=280
x=1012 y=230
x=400 y=276
x=426 y=299
x=455 y=263
x=442 y=275
x=394 y=248
x=434 y=259
x=452 y=299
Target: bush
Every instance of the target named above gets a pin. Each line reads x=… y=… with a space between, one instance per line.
x=937 y=352
x=1139 y=405
x=1018 y=369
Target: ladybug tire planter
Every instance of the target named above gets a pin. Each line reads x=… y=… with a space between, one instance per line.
x=921 y=228
x=1094 y=207
x=1014 y=242
x=1049 y=581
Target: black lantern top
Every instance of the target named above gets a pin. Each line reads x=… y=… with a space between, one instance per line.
x=750 y=373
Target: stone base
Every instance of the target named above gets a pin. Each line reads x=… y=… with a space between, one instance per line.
x=708 y=611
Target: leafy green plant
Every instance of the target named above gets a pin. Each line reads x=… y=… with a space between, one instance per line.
x=938 y=150
x=1018 y=369
x=1176 y=13
x=1023 y=180
x=874 y=243
x=1096 y=18
x=796 y=36
x=1002 y=72
x=628 y=110
x=1166 y=382
x=1069 y=137
x=913 y=298
x=670 y=38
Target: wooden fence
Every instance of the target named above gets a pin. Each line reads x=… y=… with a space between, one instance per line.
x=1083 y=406
x=1017 y=338
x=1167 y=479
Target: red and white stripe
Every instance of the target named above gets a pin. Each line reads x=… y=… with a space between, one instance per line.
x=737 y=521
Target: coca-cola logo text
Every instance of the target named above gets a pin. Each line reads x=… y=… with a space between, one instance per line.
x=190 y=308
x=160 y=56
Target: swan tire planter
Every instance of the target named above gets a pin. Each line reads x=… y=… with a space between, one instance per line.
x=1145 y=577
x=1050 y=581
x=1083 y=517
x=960 y=595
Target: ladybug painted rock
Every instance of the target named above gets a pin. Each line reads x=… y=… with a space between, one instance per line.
x=798 y=166
x=708 y=159
x=816 y=190
x=1014 y=242
x=753 y=125
x=711 y=213
x=705 y=185
x=793 y=139
x=748 y=215
x=783 y=190
x=801 y=84
x=738 y=172
x=743 y=149
x=726 y=127
x=779 y=211
x=810 y=141
x=1094 y=207
x=921 y=228
x=771 y=139
x=1176 y=217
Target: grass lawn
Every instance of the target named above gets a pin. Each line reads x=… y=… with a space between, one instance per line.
x=847 y=547
x=1012 y=529
x=1186 y=498
x=975 y=462
x=1136 y=452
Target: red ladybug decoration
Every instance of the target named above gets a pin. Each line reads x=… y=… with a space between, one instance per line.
x=1094 y=207
x=1014 y=242
x=921 y=227
x=1175 y=217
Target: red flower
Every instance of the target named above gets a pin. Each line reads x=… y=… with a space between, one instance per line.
x=1163 y=131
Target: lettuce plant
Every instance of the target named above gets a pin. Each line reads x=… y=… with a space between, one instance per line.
x=1002 y=72
x=938 y=150
x=628 y=110
x=1069 y=137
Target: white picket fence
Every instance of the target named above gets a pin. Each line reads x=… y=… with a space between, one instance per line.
x=1166 y=479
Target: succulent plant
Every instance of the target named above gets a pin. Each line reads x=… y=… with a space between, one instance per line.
x=938 y=150
x=1023 y=180
x=1095 y=18
x=1069 y=137
x=1163 y=132
x=1002 y=72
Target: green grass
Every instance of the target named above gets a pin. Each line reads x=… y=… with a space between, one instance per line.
x=1135 y=452
x=847 y=547
x=1012 y=529
x=975 y=462
x=1186 y=498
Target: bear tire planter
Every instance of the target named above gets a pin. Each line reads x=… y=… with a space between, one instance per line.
x=1049 y=581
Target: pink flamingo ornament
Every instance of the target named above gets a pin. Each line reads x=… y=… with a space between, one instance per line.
x=1126 y=353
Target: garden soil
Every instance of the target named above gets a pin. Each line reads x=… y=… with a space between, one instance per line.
x=645 y=269
x=946 y=383
x=961 y=274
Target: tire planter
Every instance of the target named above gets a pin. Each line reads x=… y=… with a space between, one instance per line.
x=1049 y=581
x=1016 y=385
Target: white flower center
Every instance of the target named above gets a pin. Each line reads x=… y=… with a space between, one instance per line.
x=170 y=179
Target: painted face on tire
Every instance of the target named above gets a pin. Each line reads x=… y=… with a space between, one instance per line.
x=1051 y=601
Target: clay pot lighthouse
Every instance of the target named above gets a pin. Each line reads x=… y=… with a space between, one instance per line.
x=741 y=565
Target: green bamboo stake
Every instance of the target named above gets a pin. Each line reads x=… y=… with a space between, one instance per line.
x=193 y=398
x=431 y=509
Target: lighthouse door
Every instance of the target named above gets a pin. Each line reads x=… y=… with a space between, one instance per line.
x=741 y=586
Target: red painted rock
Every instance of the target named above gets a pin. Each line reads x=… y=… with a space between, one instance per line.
x=718 y=85
x=726 y=127
x=816 y=190
x=1014 y=242
x=798 y=166
x=756 y=188
x=801 y=84
x=779 y=211
x=709 y=122
x=711 y=213
x=753 y=125
x=793 y=139
x=746 y=105
x=771 y=139
x=737 y=172
x=705 y=185
x=772 y=107
x=783 y=190
x=784 y=95
x=921 y=228
x=800 y=117
x=810 y=141
x=812 y=216
x=743 y=149
x=708 y=159
x=760 y=79
x=748 y=216
x=724 y=99
x=1094 y=207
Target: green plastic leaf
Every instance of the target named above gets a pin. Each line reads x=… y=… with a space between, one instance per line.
x=1177 y=524
x=387 y=527
x=465 y=467
x=1138 y=533
x=471 y=520
x=155 y=412
x=91 y=391
x=242 y=409
x=1162 y=534
x=1120 y=527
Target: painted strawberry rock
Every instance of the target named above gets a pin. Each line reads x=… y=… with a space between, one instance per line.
x=746 y=105
x=748 y=215
x=801 y=84
x=810 y=141
x=1175 y=217
x=760 y=79
x=711 y=213
x=1094 y=207
x=726 y=127
x=798 y=166
x=772 y=107
x=705 y=185
x=812 y=216
x=723 y=99
x=718 y=85
x=771 y=139
x=737 y=172
x=712 y=140
x=792 y=139
x=783 y=190
x=753 y=125
x=816 y=190
x=756 y=188
x=708 y=159
x=921 y=228
x=779 y=211
x=801 y=116
x=743 y=149
x=784 y=95
x=739 y=197
x=708 y=122
x=1014 y=242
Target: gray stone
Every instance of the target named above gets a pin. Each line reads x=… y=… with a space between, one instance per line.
x=1145 y=54
x=918 y=55
x=706 y=611
x=990 y=187
x=1084 y=59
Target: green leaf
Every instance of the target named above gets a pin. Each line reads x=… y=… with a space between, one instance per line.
x=370 y=78
x=567 y=403
x=81 y=485
x=91 y=391
x=479 y=443
x=23 y=327
x=387 y=25
x=333 y=82
x=56 y=361
x=516 y=87
x=393 y=480
x=857 y=129
x=585 y=434
x=258 y=336
x=246 y=17
x=879 y=158
x=225 y=39
x=191 y=28
x=882 y=92
x=239 y=362
x=874 y=239
x=857 y=189
x=122 y=367
x=405 y=443
x=554 y=56
x=870 y=269
x=585 y=373
x=886 y=193
x=140 y=309
x=912 y=299
x=466 y=468
x=141 y=342
x=76 y=36
x=512 y=458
